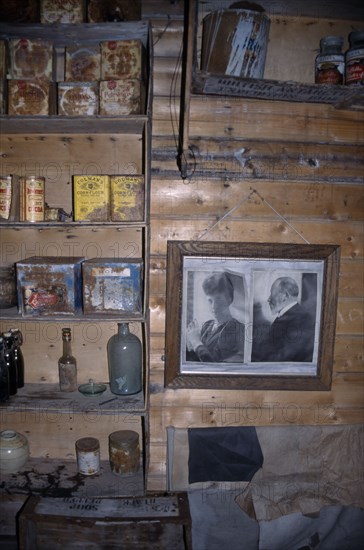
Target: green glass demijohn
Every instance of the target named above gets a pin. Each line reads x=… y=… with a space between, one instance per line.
x=124 y=356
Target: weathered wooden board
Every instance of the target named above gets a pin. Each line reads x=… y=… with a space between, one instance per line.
x=348 y=234
x=202 y=197
x=243 y=159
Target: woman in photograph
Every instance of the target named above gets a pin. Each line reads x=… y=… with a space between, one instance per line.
x=220 y=339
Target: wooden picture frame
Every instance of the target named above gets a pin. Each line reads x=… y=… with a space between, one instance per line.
x=273 y=317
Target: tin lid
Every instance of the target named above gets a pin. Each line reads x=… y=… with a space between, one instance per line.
x=87 y=444
x=124 y=438
x=356 y=39
x=331 y=44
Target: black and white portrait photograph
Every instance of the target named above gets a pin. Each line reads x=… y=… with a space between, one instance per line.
x=254 y=314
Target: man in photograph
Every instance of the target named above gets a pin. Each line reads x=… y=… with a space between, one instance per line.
x=291 y=336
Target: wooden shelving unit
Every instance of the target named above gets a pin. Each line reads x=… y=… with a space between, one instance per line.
x=58 y=147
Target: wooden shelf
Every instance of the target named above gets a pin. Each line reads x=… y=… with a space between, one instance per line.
x=60 y=478
x=12 y=314
x=275 y=90
x=48 y=397
x=54 y=124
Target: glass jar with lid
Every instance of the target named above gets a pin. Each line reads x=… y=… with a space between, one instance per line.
x=330 y=63
x=354 y=59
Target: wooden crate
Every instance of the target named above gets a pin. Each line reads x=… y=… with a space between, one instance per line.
x=153 y=522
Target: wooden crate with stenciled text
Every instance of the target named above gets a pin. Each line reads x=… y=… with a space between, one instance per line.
x=153 y=522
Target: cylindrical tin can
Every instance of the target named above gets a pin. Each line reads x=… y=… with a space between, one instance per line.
x=234 y=42
x=88 y=456
x=124 y=452
x=6 y=195
x=354 y=59
x=32 y=190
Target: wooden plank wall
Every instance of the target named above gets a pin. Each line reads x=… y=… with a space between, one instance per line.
x=306 y=160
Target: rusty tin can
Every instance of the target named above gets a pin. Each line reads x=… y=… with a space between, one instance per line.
x=32 y=204
x=111 y=286
x=127 y=198
x=91 y=198
x=88 y=456
x=122 y=59
x=78 y=98
x=61 y=11
x=30 y=59
x=122 y=97
x=6 y=194
x=82 y=63
x=124 y=452
x=27 y=97
x=49 y=285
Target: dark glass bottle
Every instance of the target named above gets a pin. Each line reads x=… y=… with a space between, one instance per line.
x=4 y=374
x=10 y=362
x=124 y=355
x=18 y=354
x=67 y=364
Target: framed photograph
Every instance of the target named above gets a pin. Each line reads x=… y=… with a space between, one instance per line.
x=250 y=315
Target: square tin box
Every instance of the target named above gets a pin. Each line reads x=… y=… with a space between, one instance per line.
x=112 y=286
x=50 y=285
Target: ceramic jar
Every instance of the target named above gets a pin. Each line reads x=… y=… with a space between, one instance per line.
x=14 y=451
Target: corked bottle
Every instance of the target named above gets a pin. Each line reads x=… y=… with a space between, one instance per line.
x=18 y=355
x=67 y=365
x=10 y=362
x=4 y=374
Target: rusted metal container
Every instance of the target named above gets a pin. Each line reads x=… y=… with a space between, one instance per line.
x=32 y=191
x=78 y=98
x=122 y=59
x=49 y=285
x=122 y=97
x=26 y=97
x=88 y=456
x=234 y=42
x=124 y=452
x=82 y=63
x=30 y=59
x=112 y=286
x=127 y=198
x=62 y=11
x=6 y=196
x=91 y=198
x=113 y=10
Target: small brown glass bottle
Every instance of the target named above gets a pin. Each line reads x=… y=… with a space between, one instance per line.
x=67 y=365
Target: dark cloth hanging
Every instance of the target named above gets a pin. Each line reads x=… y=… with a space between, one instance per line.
x=223 y=454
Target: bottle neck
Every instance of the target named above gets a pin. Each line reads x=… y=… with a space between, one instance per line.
x=67 y=348
x=123 y=328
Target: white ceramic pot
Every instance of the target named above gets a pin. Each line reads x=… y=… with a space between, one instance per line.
x=14 y=451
